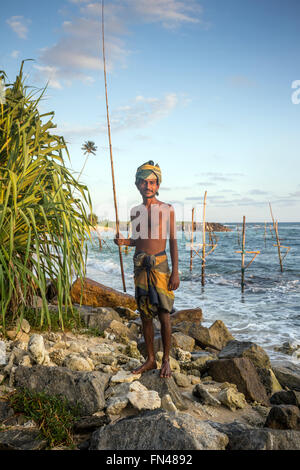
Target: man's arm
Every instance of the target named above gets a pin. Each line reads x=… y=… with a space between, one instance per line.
x=174 y=278
x=120 y=240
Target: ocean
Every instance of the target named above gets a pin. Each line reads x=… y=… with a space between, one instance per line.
x=267 y=312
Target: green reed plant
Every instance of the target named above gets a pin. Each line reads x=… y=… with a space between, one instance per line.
x=43 y=218
x=53 y=414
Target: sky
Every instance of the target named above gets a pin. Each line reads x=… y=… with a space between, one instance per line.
x=208 y=89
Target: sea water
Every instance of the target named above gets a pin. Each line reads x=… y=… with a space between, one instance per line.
x=267 y=313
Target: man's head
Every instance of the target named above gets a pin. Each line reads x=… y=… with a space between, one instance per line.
x=148 y=179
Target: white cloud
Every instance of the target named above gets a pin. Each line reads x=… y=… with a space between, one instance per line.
x=19 y=25
x=80 y=49
x=141 y=112
x=15 y=54
x=50 y=73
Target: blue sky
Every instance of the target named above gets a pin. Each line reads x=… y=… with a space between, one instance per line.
x=204 y=88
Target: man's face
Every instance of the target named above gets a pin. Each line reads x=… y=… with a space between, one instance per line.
x=148 y=188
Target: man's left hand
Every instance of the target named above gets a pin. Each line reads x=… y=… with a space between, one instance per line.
x=174 y=281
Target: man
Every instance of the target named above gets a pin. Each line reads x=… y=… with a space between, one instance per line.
x=152 y=222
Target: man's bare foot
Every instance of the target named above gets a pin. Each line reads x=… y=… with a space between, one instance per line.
x=165 y=370
x=148 y=365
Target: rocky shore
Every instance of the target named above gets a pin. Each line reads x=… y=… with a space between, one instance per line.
x=224 y=394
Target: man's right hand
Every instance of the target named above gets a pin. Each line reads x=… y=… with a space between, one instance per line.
x=119 y=239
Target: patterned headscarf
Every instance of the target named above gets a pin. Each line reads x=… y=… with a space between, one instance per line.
x=145 y=170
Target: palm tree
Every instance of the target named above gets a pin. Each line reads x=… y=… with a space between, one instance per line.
x=88 y=148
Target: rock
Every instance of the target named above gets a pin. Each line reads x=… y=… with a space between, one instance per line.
x=144 y=399
x=119 y=390
x=36 y=348
x=167 y=404
x=286 y=398
x=115 y=405
x=194 y=380
x=284 y=417
x=76 y=348
x=288 y=375
x=3 y=356
x=173 y=363
x=132 y=350
x=21 y=438
x=231 y=398
x=127 y=313
x=118 y=329
x=26 y=361
x=86 y=388
x=193 y=315
x=269 y=380
x=216 y=336
x=124 y=376
x=74 y=362
x=255 y=353
x=264 y=439
x=241 y=372
x=57 y=356
x=25 y=325
x=182 y=341
x=100 y=352
x=90 y=423
x=98 y=295
x=20 y=336
x=288 y=348
x=100 y=317
x=164 y=386
x=158 y=430
x=201 y=362
x=181 y=355
x=182 y=380
x=5 y=411
x=204 y=396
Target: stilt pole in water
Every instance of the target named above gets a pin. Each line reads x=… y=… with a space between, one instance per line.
x=110 y=150
x=203 y=241
x=243 y=252
x=192 y=240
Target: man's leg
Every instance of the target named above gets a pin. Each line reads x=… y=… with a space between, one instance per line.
x=148 y=332
x=164 y=318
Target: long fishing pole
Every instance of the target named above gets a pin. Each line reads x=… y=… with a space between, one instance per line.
x=110 y=150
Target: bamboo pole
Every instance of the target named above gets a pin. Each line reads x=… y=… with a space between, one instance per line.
x=265 y=234
x=110 y=150
x=243 y=253
x=192 y=239
x=203 y=241
x=238 y=236
x=278 y=246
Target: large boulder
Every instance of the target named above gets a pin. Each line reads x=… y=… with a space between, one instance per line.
x=283 y=417
x=85 y=388
x=216 y=336
x=182 y=341
x=98 y=295
x=100 y=317
x=288 y=374
x=268 y=380
x=255 y=353
x=239 y=371
x=265 y=439
x=164 y=386
x=286 y=398
x=243 y=437
x=20 y=438
x=193 y=315
x=158 y=430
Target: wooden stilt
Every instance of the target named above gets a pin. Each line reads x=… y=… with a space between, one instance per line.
x=278 y=246
x=203 y=241
x=192 y=240
x=243 y=253
x=110 y=150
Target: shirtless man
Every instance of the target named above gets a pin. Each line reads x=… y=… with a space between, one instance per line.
x=152 y=222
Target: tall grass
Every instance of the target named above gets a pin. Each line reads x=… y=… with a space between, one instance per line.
x=43 y=218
